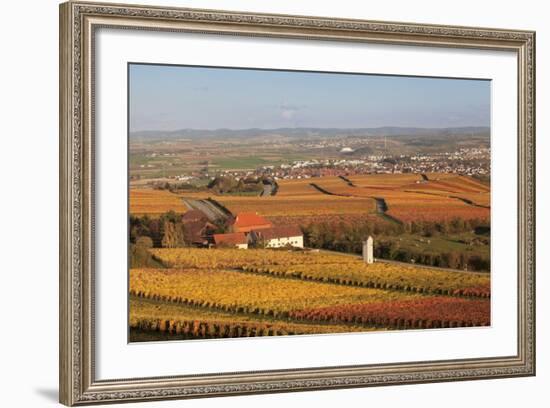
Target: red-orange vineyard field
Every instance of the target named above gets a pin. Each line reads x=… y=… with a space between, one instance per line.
x=428 y=312
x=306 y=220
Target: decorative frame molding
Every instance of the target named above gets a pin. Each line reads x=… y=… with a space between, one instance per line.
x=78 y=21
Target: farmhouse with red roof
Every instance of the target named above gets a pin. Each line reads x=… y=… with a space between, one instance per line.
x=248 y=221
x=251 y=228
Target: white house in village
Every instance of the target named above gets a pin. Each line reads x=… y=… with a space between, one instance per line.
x=277 y=237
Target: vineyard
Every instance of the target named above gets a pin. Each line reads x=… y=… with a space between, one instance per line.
x=154 y=202
x=432 y=219
x=408 y=197
x=212 y=293
x=187 y=322
x=296 y=188
x=222 y=258
x=332 y=268
x=410 y=207
x=239 y=292
x=299 y=205
x=381 y=181
x=461 y=187
x=387 y=276
x=426 y=313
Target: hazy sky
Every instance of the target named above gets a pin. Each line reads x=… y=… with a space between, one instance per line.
x=175 y=97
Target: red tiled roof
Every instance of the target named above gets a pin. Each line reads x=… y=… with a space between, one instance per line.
x=234 y=238
x=246 y=221
x=279 y=232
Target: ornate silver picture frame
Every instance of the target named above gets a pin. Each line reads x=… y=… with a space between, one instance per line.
x=79 y=22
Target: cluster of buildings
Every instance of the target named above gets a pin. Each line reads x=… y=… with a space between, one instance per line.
x=253 y=229
x=244 y=230
x=465 y=161
x=305 y=169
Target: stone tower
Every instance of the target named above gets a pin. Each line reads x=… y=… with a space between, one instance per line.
x=368 y=250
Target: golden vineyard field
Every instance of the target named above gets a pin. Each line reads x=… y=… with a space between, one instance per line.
x=154 y=202
x=296 y=188
x=387 y=276
x=384 y=180
x=235 y=291
x=211 y=293
x=217 y=258
x=457 y=186
x=299 y=205
x=328 y=267
x=419 y=200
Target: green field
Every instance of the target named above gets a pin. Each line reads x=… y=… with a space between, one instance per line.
x=442 y=243
x=252 y=162
x=466 y=244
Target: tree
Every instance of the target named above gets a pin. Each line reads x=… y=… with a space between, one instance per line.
x=140 y=257
x=156 y=232
x=139 y=226
x=144 y=242
x=173 y=236
x=458 y=225
x=477 y=263
x=170 y=216
x=313 y=236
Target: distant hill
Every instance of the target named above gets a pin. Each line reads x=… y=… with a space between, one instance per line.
x=302 y=133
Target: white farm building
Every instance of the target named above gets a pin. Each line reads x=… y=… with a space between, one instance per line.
x=277 y=237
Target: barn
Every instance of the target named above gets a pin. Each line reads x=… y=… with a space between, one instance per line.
x=196 y=228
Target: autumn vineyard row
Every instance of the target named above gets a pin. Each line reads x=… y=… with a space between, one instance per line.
x=236 y=291
x=375 y=282
x=146 y=311
x=331 y=268
x=195 y=329
x=426 y=313
x=432 y=312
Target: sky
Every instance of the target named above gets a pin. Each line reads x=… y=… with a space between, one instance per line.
x=167 y=98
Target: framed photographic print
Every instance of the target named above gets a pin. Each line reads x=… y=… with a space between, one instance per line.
x=258 y=203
